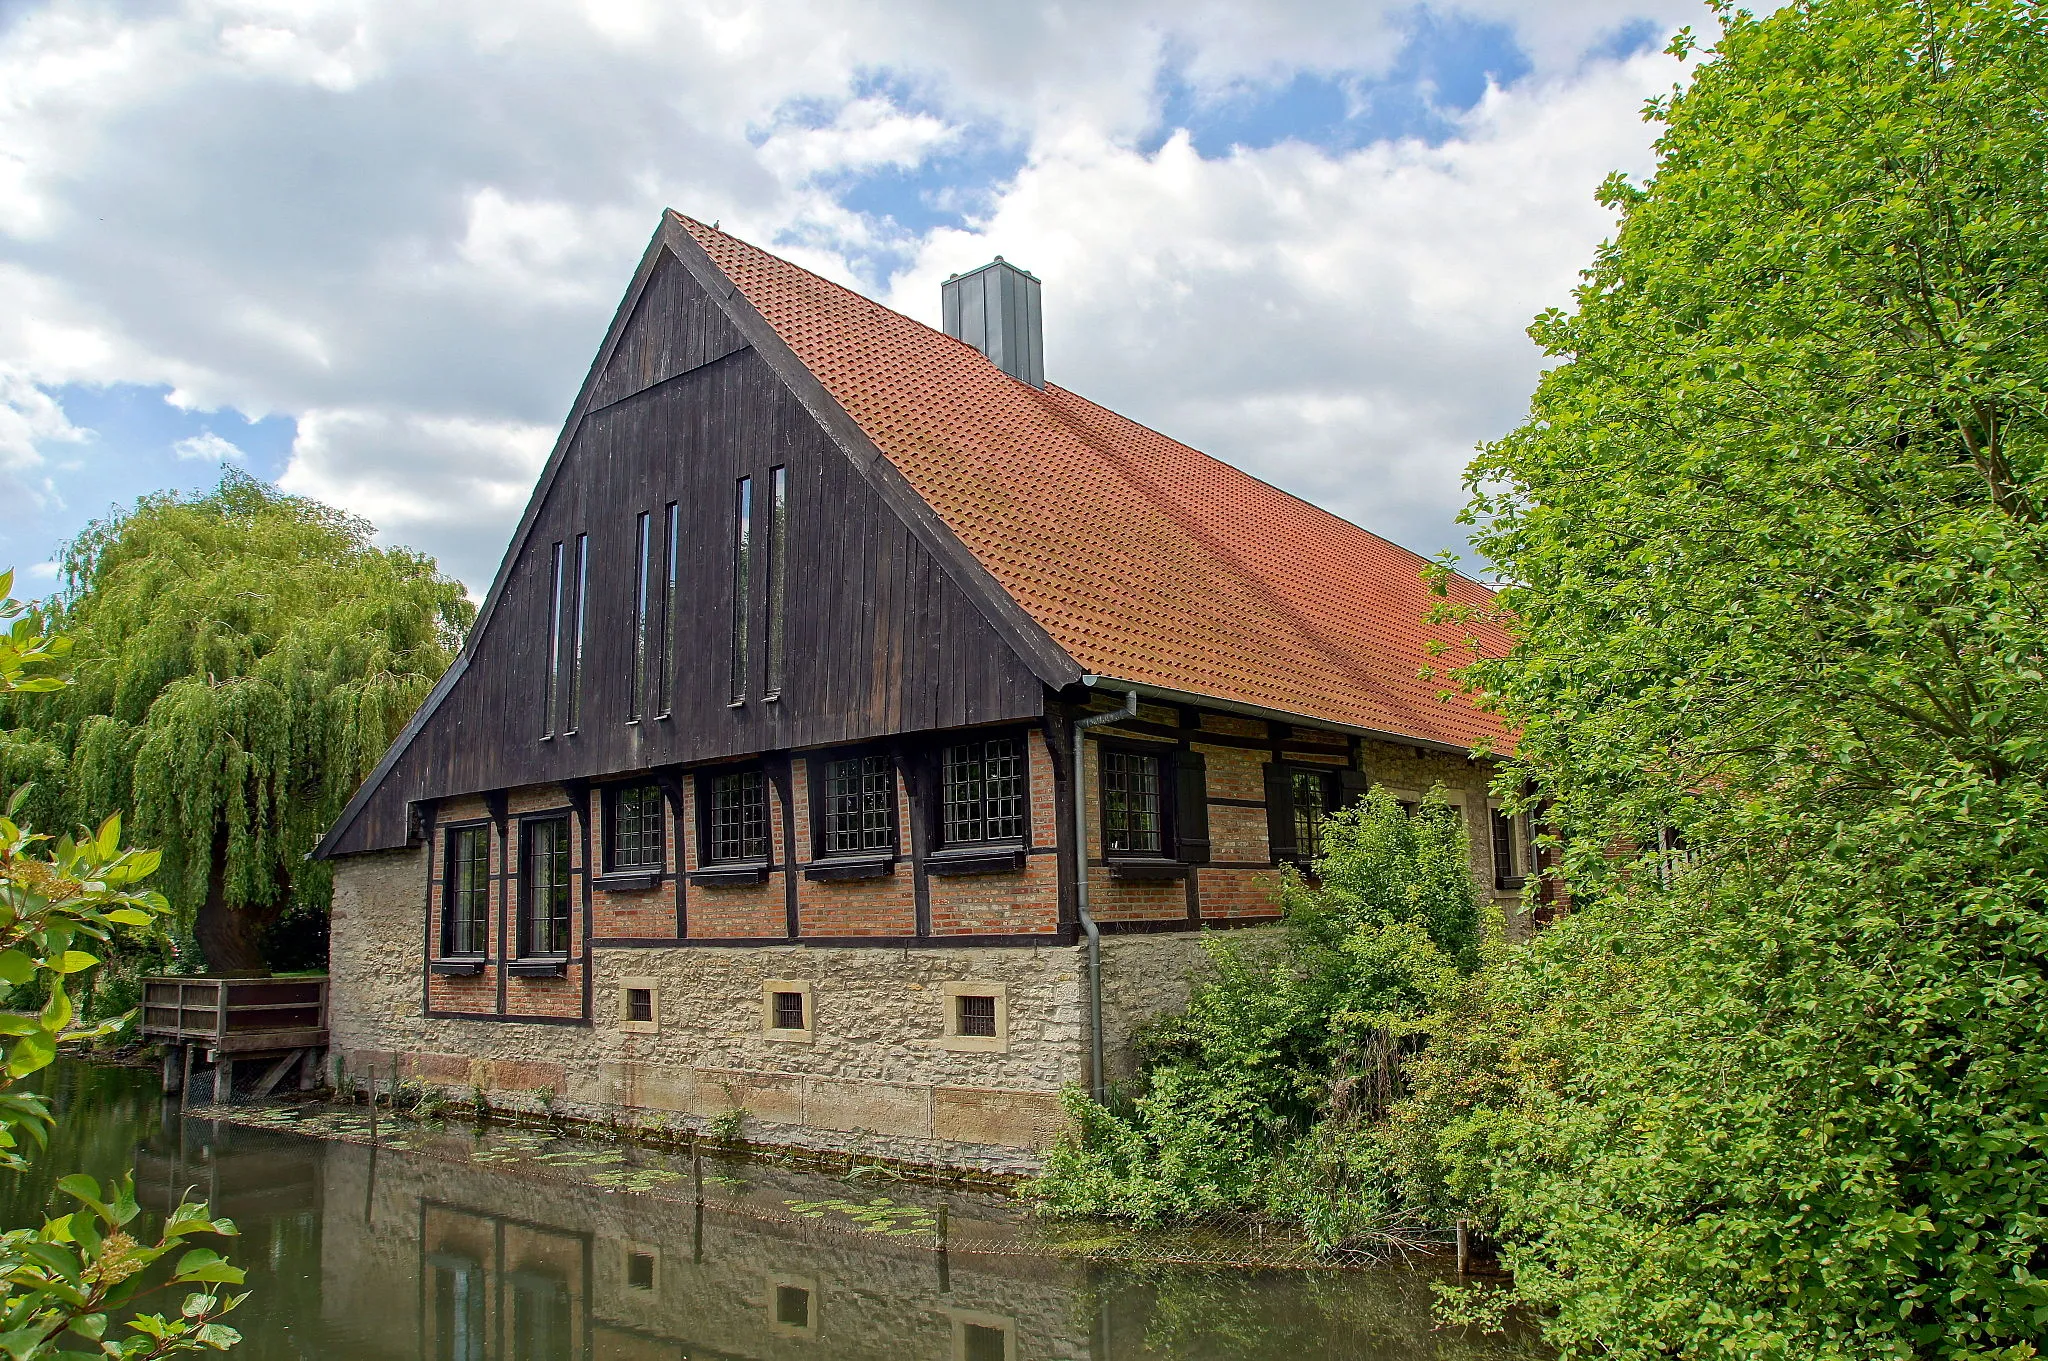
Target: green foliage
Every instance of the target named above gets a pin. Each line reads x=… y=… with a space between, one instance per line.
x=1775 y=533
x=69 y=1276
x=241 y=660
x=77 y=1271
x=1267 y=1094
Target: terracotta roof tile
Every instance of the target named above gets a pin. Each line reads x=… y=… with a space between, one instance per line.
x=1148 y=561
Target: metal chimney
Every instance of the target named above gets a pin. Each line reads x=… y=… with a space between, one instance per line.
x=995 y=309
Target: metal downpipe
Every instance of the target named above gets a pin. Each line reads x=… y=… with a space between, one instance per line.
x=1081 y=726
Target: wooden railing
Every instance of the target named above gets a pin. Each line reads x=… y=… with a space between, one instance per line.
x=236 y=1014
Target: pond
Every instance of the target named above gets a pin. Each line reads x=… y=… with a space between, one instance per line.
x=444 y=1243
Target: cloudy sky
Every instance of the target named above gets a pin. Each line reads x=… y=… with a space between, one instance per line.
x=366 y=248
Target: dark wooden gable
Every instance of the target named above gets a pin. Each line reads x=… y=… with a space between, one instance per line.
x=882 y=636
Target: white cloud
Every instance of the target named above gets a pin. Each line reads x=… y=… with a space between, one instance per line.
x=450 y=482
x=29 y=419
x=407 y=225
x=207 y=447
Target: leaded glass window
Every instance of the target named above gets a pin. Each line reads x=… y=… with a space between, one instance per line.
x=635 y=828
x=544 y=899
x=1311 y=789
x=739 y=816
x=1131 y=823
x=984 y=791
x=469 y=891
x=859 y=805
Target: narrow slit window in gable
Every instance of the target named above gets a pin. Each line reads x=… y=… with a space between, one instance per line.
x=642 y=545
x=666 y=679
x=554 y=661
x=576 y=633
x=742 y=557
x=778 y=571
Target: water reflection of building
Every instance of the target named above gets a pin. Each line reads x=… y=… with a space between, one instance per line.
x=447 y=1262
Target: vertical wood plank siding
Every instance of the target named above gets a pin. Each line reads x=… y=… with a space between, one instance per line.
x=880 y=639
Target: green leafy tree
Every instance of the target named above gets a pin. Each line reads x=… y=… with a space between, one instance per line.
x=1774 y=535
x=1268 y=1093
x=62 y=1284
x=242 y=659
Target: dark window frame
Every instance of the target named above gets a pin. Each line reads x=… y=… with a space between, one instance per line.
x=1510 y=872
x=664 y=684
x=524 y=925
x=1342 y=787
x=613 y=795
x=777 y=568
x=574 y=710
x=942 y=825
x=708 y=782
x=819 y=770
x=742 y=564
x=779 y=1014
x=643 y=548
x=552 y=693
x=1325 y=782
x=452 y=833
x=982 y=1025
x=1163 y=799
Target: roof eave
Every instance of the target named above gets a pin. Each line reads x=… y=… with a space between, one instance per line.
x=1147 y=690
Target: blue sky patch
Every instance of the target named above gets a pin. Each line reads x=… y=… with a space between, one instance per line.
x=1442 y=70
x=1632 y=39
x=953 y=183
x=139 y=442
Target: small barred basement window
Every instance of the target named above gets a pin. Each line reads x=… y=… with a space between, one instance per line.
x=789 y=1011
x=639 y=1008
x=977 y=1018
x=640 y=1270
x=977 y=1015
x=793 y=1306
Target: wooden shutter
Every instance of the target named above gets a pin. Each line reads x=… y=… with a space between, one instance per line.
x=1351 y=787
x=1191 y=807
x=1280 y=814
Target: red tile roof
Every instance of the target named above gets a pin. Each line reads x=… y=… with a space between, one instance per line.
x=1146 y=560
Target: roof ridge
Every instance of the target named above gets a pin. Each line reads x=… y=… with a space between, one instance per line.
x=1143 y=557
x=860 y=297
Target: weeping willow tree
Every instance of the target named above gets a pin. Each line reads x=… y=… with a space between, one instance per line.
x=240 y=661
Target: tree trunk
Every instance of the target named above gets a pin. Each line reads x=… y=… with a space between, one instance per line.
x=231 y=938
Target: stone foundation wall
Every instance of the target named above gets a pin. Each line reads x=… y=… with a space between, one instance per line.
x=875 y=1074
